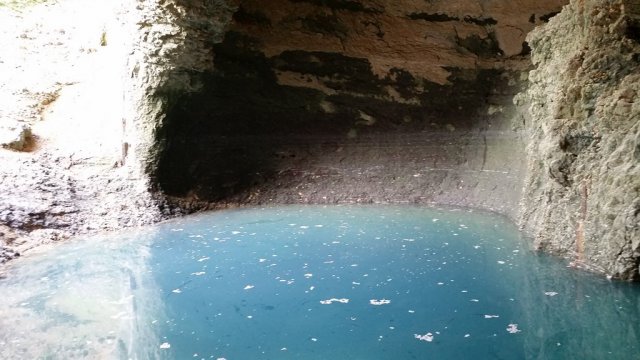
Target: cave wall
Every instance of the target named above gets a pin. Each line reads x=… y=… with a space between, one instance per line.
x=582 y=194
x=315 y=101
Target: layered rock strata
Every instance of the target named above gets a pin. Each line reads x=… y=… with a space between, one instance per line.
x=351 y=101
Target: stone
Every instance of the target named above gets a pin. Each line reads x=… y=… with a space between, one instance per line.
x=7 y=254
x=15 y=136
x=583 y=92
x=510 y=40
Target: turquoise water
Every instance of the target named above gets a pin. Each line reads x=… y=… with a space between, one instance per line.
x=314 y=283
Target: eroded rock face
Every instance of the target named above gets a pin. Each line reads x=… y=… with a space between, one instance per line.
x=582 y=194
x=65 y=168
x=350 y=101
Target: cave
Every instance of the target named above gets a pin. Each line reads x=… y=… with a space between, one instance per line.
x=362 y=178
x=507 y=107
x=354 y=101
x=523 y=108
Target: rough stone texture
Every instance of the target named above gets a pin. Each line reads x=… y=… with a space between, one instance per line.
x=350 y=101
x=173 y=41
x=582 y=196
x=15 y=137
x=62 y=68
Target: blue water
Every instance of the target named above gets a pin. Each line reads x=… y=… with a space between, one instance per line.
x=378 y=282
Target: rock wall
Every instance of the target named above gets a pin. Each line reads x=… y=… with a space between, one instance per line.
x=173 y=42
x=349 y=101
x=582 y=195
x=64 y=76
x=84 y=87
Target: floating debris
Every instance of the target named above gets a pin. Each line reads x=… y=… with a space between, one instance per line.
x=331 y=301
x=249 y=287
x=551 y=293
x=379 y=302
x=491 y=316
x=428 y=337
x=165 y=345
x=177 y=291
x=513 y=329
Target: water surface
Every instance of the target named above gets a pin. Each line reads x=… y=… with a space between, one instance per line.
x=314 y=282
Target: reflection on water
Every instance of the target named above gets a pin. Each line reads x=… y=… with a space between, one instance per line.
x=83 y=300
x=314 y=283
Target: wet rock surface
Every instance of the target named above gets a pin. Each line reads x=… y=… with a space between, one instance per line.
x=582 y=195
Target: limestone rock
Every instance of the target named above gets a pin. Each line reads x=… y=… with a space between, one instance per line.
x=582 y=196
x=55 y=80
x=15 y=137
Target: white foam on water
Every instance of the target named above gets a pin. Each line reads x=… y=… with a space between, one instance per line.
x=334 y=300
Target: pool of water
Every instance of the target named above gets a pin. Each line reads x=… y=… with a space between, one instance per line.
x=342 y=282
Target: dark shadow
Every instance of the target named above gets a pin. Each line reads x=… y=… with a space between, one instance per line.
x=246 y=126
x=633 y=30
